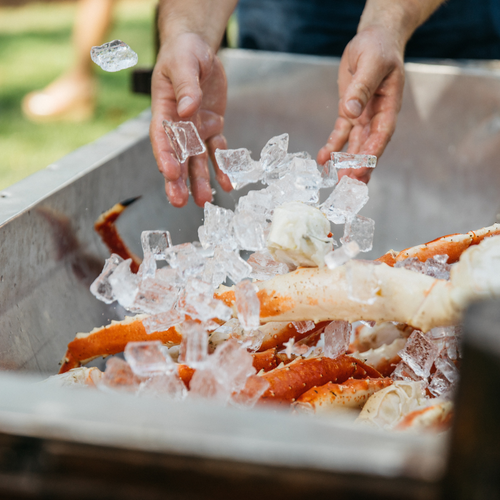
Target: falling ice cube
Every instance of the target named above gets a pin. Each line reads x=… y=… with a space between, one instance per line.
x=342 y=255
x=274 y=152
x=337 y=337
x=329 y=175
x=363 y=284
x=101 y=288
x=249 y=231
x=214 y=273
x=217 y=227
x=114 y=56
x=156 y=243
x=347 y=160
x=247 y=305
x=125 y=284
x=194 y=346
x=255 y=386
x=238 y=165
x=118 y=376
x=265 y=267
x=184 y=139
x=186 y=260
x=346 y=200
x=361 y=230
x=163 y=321
x=147 y=358
x=236 y=268
x=260 y=203
x=419 y=353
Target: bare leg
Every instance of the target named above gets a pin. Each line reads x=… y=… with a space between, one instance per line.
x=72 y=96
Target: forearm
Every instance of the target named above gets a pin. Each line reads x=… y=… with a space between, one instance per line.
x=401 y=17
x=206 y=18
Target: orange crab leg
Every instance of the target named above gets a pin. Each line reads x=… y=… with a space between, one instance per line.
x=265 y=360
x=452 y=245
x=112 y=339
x=352 y=393
x=280 y=332
x=286 y=384
x=106 y=229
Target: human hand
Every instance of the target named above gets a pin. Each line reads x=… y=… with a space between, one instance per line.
x=189 y=84
x=371 y=81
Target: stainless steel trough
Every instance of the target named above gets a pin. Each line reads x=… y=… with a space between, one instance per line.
x=439 y=175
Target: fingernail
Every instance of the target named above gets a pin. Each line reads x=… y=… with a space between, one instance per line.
x=184 y=103
x=354 y=107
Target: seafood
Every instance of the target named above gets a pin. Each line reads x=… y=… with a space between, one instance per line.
x=436 y=417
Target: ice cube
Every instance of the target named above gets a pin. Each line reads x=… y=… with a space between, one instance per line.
x=214 y=273
x=164 y=385
x=101 y=288
x=347 y=160
x=362 y=282
x=249 y=231
x=156 y=243
x=118 y=376
x=307 y=175
x=155 y=296
x=265 y=267
x=344 y=254
x=347 y=199
x=114 y=56
x=303 y=326
x=163 y=321
x=217 y=227
x=337 y=337
x=437 y=267
x=329 y=175
x=238 y=165
x=186 y=260
x=254 y=388
x=419 y=353
x=260 y=203
x=184 y=139
x=252 y=339
x=439 y=385
x=447 y=368
x=412 y=264
x=196 y=300
x=194 y=346
x=247 y=305
x=361 y=230
x=148 y=358
x=404 y=372
x=274 y=152
x=236 y=268
x=125 y=284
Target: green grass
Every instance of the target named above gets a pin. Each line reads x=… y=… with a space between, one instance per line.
x=35 y=48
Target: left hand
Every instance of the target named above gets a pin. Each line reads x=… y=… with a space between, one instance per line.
x=371 y=81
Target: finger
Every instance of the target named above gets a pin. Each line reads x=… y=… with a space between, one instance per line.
x=214 y=143
x=165 y=157
x=177 y=192
x=199 y=178
x=360 y=174
x=210 y=124
x=336 y=141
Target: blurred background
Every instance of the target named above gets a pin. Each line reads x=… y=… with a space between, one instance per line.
x=35 y=49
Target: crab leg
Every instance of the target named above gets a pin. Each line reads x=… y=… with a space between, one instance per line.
x=330 y=397
x=452 y=245
x=383 y=358
x=321 y=294
x=106 y=229
x=112 y=339
x=286 y=384
x=436 y=418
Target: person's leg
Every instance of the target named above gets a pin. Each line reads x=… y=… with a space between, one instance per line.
x=71 y=97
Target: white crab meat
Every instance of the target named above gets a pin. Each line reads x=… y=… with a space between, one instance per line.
x=299 y=235
x=82 y=376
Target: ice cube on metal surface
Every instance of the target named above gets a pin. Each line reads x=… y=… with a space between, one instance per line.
x=148 y=358
x=184 y=139
x=118 y=376
x=419 y=353
x=362 y=282
x=163 y=385
x=341 y=255
x=348 y=160
x=125 y=284
x=265 y=267
x=156 y=243
x=337 y=337
x=303 y=326
x=101 y=288
x=163 y=321
x=249 y=231
x=194 y=346
x=329 y=175
x=274 y=152
x=217 y=227
x=238 y=165
x=361 y=230
x=346 y=200
x=247 y=305
x=248 y=396
x=114 y=56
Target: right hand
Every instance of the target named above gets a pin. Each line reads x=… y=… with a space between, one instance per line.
x=189 y=84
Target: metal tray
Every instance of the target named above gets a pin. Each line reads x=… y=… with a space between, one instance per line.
x=438 y=176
